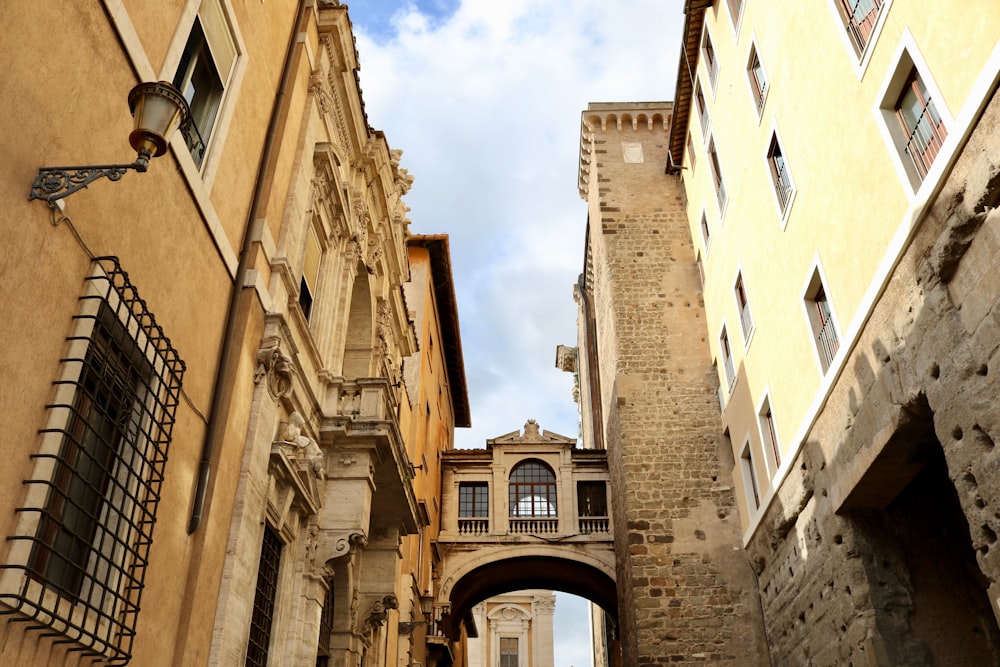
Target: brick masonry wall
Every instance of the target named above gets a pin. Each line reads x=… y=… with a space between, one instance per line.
x=686 y=589
x=850 y=572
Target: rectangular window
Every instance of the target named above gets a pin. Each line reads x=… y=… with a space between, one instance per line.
x=706 y=234
x=310 y=272
x=508 y=652
x=735 y=8
x=711 y=62
x=860 y=18
x=78 y=557
x=820 y=314
x=780 y=178
x=727 y=359
x=758 y=80
x=703 y=117
x=692 y=160
x=720 y=185
x=592 y=498
x=324 y=648
x=264 y=599
x=203 y=73
x=749 y=477
x=922 y=126
x=743 y=306
x=473 y=500
x=768 y=432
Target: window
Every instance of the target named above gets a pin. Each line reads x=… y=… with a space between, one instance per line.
x=727 y=359
x=691 y=156
x=310 y=272
x=264 y=599
x=860 y=19
x=592 y=499
x=204 y=71
x=749 y=475
x=768 y=432
x=706 y=234
x=921 y=124
x=735 y=11
x=720 y=185
x=711 y=62
x=473 y=500
x=324 y=648
x=78 y=558
x=532 y=491
x=758 y=80
x=508 y=652
x=820 y=315
x=743 y=306
x=703 y=117
x=780 y=178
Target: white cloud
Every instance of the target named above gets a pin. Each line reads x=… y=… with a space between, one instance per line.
x=485 y=102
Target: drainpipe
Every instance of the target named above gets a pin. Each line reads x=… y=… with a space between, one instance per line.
x=251 y=237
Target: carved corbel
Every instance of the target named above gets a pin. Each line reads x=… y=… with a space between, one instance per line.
x=380 y=612
x=335 y=546
x=276 y=367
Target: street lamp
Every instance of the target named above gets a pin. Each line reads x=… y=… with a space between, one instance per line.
x=158 y=109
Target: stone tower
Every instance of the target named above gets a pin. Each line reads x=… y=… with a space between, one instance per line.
x=686 y=591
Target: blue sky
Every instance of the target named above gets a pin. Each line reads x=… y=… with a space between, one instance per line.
x=484 y=99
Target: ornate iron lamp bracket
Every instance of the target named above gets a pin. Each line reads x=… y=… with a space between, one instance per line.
x=53 y=183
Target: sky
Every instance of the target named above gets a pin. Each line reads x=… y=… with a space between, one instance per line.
x=484 y=99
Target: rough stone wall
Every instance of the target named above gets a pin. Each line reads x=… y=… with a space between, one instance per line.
x=880 y=547
x=686 y=589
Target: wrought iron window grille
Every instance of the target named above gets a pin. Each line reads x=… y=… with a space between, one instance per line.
x=79 y=556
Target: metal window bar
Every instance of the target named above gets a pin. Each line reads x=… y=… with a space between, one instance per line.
x=772 y=435
x=82 y=583
x=711 y=62
x=746 y=320
x=730 y=372
x=263 y=601
x=326 y=626
x=827 y=341
x=782 y=184
x=925 y=140
x=195 y=144
x=862 y=15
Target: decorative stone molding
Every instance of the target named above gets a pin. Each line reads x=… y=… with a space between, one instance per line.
x=345 y=544
x=276 y=367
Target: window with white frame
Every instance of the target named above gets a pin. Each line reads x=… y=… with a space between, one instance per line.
x=716 y=171
x=914 y=118
x=725 y=350
x=819 y=312
x=703 y=116
x=711 y=62
x=735 y=12
x=205 y=70
x=743 y=307
x=781 y=179
x=706 y=234
x=758 y=80
x=768 y=431
x=860 y=17
x=749 y=474
x=692 y=160
x=79 y=554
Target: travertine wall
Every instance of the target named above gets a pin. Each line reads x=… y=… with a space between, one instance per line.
x=880 y=548
x=686 y=590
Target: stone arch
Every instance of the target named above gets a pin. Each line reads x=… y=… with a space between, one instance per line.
x=358 y=342
x=508 y=568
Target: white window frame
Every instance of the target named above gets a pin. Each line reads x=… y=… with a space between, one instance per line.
x=715 y=173
x=706 y=232
x=752 y=491
x=704 y=118
x=906 y=59
x=758 y=108
x=770 y=442
x=231 y=85
x=728 y=370
x=747 y=335
x=783 y=212
x=815 y=279
x=738 y=19
x=711 y=72
x=859 y=61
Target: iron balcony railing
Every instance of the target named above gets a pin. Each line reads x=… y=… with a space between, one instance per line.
x=925 y=140
x=746 y=320
x=827 y=341
x=861 y=21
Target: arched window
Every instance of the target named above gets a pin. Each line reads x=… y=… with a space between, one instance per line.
x=532 y=491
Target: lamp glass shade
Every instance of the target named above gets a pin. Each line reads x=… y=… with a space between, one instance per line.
x=158 y=109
